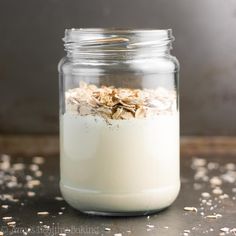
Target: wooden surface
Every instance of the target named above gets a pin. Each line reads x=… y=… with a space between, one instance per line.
x=49 y=145
x=63 y=220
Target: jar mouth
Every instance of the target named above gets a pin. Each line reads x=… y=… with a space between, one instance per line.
x=116 y=39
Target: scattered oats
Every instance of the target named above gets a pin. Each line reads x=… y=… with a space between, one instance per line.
x=128 y=231
x=201 y=174
x=8 y=197
x=38 y=173
x=215 y=181
x=31 y=194
x=5 y=158
x=28 y=177
x=34 y=167
x=18 y=166
x=33 y=183
x=233 y=230
x=166 y=227
x=212 y=165
x=186 y=231
x=14 y=200
x=67 y=230
x=59 y=198
x=1 y=233
x=13 y=178
x=230 y=166
x=62 y=234
x=199 y=162
x=119 y=234
x=38 y=160
x=202 y=213
x=60 y=213
x=5 y=206
x=107 y=229
x=12 y=184
x=229 y=177
x=225 y=230
x=11 y=223
x=211 y=229
x=215 y=216
x=5 y=197
x=217 y=191
x=190 y=209
x=5 y=165
x=148 y=217
x=206 y=195
x=205 y=178
x=224 y=196
x=46 y=226
x=185 y=234
x=7 y=218
x=150 y=226
x=43 y=213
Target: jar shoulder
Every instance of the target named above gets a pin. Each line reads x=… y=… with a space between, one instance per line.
x=160 y=64
x=174 y=61
x=63 y=63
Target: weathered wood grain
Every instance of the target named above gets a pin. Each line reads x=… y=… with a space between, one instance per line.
x=49 y=145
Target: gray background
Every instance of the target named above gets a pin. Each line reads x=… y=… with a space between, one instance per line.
x=31 y=46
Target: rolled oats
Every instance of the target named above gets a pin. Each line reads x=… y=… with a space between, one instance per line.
x=194 y=209
x=119 y=103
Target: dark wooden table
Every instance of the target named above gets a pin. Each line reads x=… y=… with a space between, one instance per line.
x=196 y=176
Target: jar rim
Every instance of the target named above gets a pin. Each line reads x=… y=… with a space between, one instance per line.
x=113 y=40
x=80 y=34
x=117 y=29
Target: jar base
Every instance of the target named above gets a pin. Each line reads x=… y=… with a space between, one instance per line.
x=119 y=214
x=120 y=204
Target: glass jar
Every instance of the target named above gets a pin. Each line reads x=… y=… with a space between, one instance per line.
x=119 y=121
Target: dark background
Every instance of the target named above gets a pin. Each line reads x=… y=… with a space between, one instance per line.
x=31 y=46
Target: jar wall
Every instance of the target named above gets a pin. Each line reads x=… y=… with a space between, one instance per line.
x=119 y=134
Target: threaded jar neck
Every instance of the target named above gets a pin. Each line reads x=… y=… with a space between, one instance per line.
x=116 y=43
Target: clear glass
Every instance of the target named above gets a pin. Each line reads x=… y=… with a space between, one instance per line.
x=119 y=121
